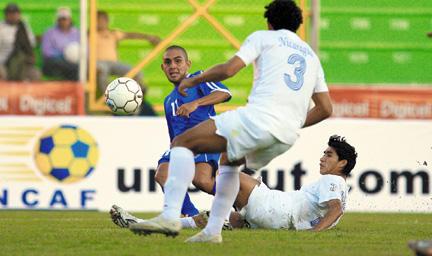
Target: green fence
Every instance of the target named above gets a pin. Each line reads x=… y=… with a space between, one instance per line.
x=375 y=42
x=205 y=45
x=381 y=41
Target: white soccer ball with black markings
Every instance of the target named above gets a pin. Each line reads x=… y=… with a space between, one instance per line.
x=123 y=96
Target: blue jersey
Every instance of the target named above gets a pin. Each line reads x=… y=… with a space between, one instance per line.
x=178 y=124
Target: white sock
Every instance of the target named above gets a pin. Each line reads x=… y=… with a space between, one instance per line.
x=181 y=171
x=227 y=187
x=188 y=222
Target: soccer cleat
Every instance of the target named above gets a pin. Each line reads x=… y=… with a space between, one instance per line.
x=227 y=225
x=202 y=237
x=206 y=214
x=121 y=217
x=421 y=247
x=157 y=225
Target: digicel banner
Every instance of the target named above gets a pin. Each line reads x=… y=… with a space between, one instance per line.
x=382 y=102
x=41 y=98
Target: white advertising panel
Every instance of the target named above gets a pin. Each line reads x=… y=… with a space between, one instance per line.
x=93 y=162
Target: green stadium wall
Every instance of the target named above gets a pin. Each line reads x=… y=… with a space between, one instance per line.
x=361 y=42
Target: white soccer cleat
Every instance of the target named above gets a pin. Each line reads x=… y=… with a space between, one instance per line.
x=121 y=217
x=157 y=225
x=202 y=237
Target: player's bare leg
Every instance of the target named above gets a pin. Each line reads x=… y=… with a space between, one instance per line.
x=161 y=174
x=201 y=138
x=203 y=178
x=247 y=184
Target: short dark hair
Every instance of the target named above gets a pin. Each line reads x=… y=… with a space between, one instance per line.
x=177 y=47
x=284 y=14
x=344 y=151
x=11 y=7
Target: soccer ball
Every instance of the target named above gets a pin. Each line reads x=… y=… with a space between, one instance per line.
x=71 y=52
x=66 y=154
x=123 y=96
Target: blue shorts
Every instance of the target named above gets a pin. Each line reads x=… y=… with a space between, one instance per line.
x=211 y=159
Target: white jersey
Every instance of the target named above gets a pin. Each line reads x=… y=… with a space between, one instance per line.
x=301 y=209
x=327 y=188
x=286 y=74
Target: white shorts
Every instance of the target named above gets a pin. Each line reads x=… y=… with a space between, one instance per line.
x=272 y=209
x=248 y=137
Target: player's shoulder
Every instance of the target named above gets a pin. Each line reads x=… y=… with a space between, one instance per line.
x=194 y=74
x=259 y=34
x=273 y=33
x=170 y=96
x=332 y=178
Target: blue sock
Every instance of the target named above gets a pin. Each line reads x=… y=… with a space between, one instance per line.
x=214 y=188
x=188 y=208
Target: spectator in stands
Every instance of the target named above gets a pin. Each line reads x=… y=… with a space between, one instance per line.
x=61 y=39
x=107 y=56
x=16 y=47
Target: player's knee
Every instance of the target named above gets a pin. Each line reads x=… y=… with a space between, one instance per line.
x=224 y=161
x=203 y=183
x=183 y=141
x=179 y=141
x=160 y=178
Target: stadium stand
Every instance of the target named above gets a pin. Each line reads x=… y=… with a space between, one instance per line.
x=378 y=42
x=383 y=42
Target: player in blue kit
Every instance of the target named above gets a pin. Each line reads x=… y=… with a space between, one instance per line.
x=182 y=113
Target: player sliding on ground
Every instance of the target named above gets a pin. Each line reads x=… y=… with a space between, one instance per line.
x=316 y=206
x=184 y=112
x=288 y=74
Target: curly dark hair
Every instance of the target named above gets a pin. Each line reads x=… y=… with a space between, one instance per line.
x=284 y=14
x=344 y=151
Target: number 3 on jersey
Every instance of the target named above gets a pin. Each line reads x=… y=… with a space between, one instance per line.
x=299 y=64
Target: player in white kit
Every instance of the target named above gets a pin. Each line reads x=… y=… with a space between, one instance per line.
x=287 y=75
x=316 y=206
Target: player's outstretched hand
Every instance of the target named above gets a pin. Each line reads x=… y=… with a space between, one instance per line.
x=184 y=84
x=154 y=40
x=186 y=109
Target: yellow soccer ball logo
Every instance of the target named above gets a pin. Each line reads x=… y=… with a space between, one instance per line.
x=66 y=154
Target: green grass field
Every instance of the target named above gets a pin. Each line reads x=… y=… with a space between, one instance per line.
x=92 y=233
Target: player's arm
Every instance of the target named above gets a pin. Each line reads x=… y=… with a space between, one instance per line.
x=333 y=213
x=154 y=40
x=323 y=109
x=213 y=98
x=219 y=72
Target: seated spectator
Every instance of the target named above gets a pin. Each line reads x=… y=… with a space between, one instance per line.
x=17 y=42
x=54 y=45
x=107 y=57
